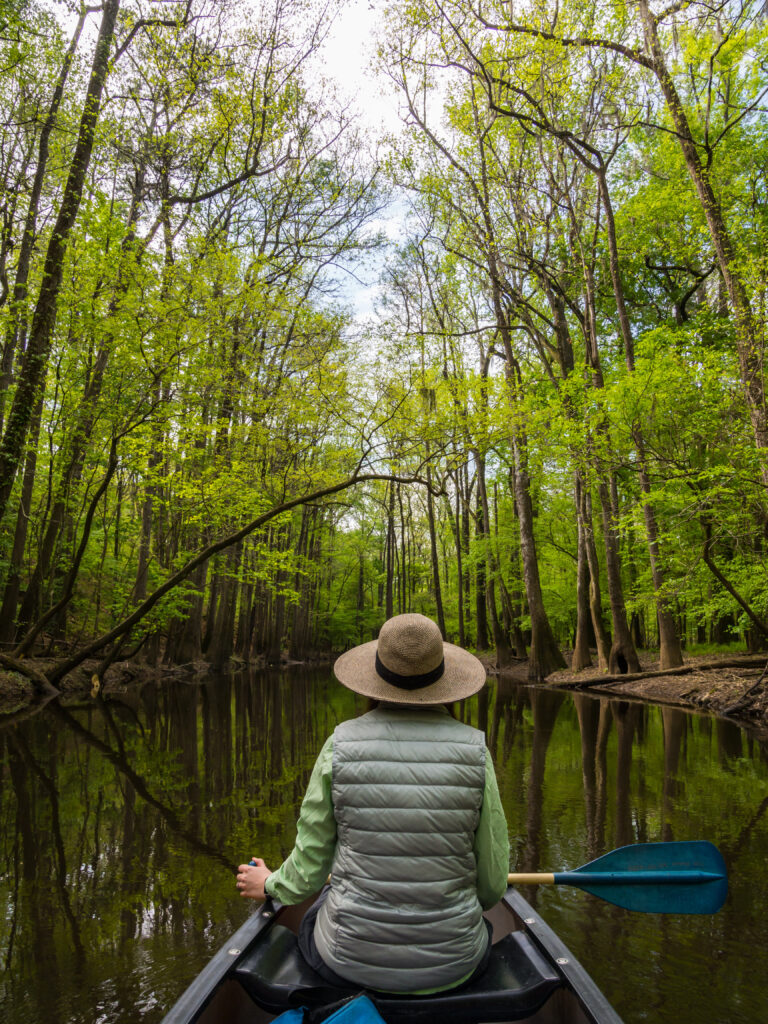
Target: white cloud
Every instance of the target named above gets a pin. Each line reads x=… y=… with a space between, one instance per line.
x=347 y=58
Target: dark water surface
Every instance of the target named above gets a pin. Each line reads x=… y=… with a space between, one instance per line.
x=121 y=822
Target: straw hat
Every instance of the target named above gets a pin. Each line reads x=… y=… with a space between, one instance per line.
x=410 y=664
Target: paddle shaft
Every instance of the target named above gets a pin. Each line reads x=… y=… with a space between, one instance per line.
x=612 y=878
x=539 y=878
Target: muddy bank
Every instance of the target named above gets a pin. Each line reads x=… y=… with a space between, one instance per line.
x=19 y=689
x=732 y=684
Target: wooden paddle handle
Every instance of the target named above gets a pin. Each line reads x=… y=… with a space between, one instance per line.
x=531 y=879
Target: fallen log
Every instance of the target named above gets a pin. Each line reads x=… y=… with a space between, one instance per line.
x=681 y=670
x=41 y=683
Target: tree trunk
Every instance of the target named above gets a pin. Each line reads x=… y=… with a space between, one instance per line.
x=454 y=519
x=582 y=656
x=500 y=641
x=481 y=581
x=669 y=644
x=670 y=651
x=595 y=601
x=402 y=589
x=16 y=330
x=44 y=319
x=466 y=587
x=749 y=341
x=298 y=644
x=545 y=655
x=185 y=634
x=623 y=656
x=433 y=553
x=13 y=578
x=511 y=605
x=389 y=609
x=223 y=639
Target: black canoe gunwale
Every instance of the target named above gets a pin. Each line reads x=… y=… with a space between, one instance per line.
x=594 y=1003
x=594 y=1007
x=202 y=989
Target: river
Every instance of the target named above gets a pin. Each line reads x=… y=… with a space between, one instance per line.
x=121 y=822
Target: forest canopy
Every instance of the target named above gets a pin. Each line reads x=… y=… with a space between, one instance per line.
x=552 y=436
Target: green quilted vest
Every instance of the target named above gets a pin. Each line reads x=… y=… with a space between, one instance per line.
x=402 y=913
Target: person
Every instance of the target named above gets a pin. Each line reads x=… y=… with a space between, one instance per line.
x=403 y=810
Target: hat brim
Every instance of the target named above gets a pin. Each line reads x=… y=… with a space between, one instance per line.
x=464 y=676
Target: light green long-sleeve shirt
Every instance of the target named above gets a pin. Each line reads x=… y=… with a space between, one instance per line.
x=306 y=869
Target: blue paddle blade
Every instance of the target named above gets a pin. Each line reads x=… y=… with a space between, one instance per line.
x=657 y=878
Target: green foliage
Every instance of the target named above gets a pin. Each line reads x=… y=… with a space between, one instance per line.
x=198 y=324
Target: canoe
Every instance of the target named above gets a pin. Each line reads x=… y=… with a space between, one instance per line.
x=531 y=976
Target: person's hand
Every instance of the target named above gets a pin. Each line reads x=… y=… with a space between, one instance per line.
x=251 y=878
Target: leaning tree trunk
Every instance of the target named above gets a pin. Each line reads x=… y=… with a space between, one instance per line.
x=748 y=340
x=16 y=326
x=12 y=588
x=670 y=651
x=44 y=319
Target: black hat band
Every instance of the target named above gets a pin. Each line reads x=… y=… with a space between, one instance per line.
x=409 y=682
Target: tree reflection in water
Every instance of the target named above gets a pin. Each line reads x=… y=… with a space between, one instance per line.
x=123 y=820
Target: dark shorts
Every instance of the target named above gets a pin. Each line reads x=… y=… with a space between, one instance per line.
x=316 y=962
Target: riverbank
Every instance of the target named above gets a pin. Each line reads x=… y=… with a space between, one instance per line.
x=19 y=689
x=733 y=684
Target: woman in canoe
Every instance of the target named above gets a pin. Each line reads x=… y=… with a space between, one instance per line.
x=403 y=810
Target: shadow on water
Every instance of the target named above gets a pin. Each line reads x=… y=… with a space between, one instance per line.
x=122 y=821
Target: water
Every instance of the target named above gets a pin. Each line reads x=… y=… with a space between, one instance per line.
x=121 y=823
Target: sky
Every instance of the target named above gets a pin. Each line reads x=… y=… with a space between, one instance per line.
x=347 y=56
x=349 y=50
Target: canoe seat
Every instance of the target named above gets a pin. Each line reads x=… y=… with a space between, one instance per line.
x=517 y=982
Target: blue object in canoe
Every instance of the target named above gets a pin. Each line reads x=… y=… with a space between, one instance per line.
x=357 y=1010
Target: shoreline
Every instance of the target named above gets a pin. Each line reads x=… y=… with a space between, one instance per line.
x=731 y=685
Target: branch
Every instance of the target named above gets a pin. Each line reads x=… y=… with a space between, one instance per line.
x=604 y=44
x=41 y=684
x=69 y=583
x=679 y=5
x=150 y=23
x=707 y=556
x=248 y=173
x=62 y=668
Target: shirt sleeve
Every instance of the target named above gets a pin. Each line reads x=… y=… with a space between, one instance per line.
x=491 y=843
x=306 y=868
